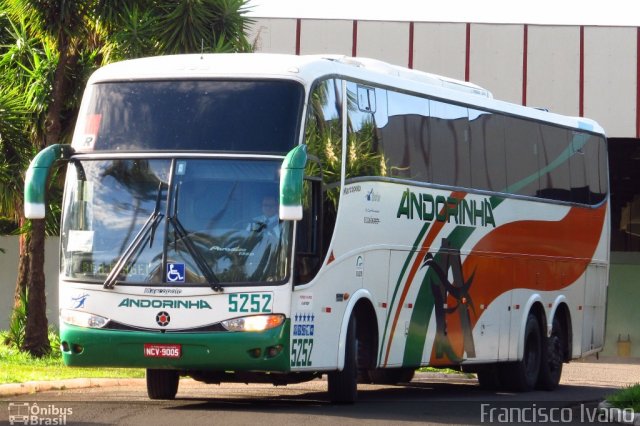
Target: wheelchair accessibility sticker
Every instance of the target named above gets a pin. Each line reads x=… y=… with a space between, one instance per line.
x=175 y=272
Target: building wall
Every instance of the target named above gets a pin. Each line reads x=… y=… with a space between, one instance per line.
x=553 y=75
x=610 y=77
x=324 y=36
x=386 y=41
x=572 y=70
x=496 y=59
x=274 y=35
x=440 y=48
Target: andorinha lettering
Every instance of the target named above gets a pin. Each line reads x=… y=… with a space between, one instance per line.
x=425 y=206
x=157 y=303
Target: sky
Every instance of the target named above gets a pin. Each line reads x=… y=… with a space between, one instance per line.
x=551 y=12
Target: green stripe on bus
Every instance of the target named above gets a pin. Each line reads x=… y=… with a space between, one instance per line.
x=416 y=245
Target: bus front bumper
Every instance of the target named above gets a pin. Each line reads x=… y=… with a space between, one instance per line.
x=218 y=351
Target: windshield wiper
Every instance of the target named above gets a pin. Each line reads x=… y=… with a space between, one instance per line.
x=156 y=211
x=183 y=235
x=202 y=264
x=138 y=241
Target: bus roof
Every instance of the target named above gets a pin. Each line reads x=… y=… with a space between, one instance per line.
x=309 y=68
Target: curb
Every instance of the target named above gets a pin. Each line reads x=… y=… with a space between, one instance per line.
x=13 y=389
x=618 y=415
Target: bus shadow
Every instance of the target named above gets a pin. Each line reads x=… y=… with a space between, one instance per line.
x=462 y=403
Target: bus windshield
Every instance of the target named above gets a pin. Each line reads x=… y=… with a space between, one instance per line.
x=174 y=222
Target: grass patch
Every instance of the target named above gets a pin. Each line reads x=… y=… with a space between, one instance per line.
x=18 y=367
x=439 y=370
x=445 y=371
x=628 y=397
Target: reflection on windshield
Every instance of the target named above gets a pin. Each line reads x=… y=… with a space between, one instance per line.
x=126 y=221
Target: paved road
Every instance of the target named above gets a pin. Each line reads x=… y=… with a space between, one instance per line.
x=429 y=399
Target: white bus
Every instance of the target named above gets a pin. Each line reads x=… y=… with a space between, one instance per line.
x=421 y=222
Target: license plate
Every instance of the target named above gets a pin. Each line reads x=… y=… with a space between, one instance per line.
x=161 y=350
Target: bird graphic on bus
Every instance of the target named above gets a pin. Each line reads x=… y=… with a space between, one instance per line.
x=441 y=288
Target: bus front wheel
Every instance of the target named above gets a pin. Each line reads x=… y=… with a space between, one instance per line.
x=343 y=385
x=162 y=384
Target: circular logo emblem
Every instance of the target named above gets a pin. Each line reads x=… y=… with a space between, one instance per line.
x=163 y=319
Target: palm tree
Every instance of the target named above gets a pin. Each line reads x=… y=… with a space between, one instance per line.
x=15 y=152
x=31 y=66
x=66 y=40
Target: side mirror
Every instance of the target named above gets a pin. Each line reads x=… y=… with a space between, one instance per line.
x=291 y=179
x=35 y=181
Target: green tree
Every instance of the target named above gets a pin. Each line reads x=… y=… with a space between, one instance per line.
x=15 y=148
x=49 y=49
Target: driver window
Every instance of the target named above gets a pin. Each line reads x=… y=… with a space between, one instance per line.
x=308 y=245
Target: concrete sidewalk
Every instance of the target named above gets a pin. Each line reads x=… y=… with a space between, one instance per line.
x=603 y=372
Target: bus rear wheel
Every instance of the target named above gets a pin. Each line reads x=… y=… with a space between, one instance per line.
x=162 y=384
x=343 y=385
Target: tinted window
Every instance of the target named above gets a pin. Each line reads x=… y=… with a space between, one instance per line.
x=410 y=137
x=554 y=163
x=366 y=111
x=256 y=116
x=323 y=131
x=487 y=151
x=405 y=138
x=450 y=150
x=521 y=145
x=308 y=234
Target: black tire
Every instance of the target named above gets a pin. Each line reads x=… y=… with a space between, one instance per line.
x=553 y=355
x=391 y=376
x=162 y=384
x=343 y=385
x=522 y=376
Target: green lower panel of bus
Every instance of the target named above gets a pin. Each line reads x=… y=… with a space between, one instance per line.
x=219 y=351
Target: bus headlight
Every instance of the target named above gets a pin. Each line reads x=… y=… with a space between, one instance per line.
x=82 y=319
x=253 y=323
